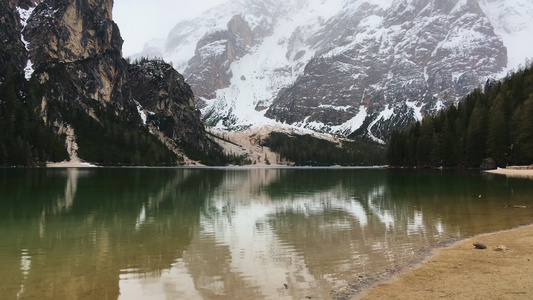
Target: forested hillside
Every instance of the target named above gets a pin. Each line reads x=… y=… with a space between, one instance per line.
x=306 y=150
x=24 y=138
x=495 y=122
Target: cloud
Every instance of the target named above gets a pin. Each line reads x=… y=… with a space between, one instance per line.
x=140 y=20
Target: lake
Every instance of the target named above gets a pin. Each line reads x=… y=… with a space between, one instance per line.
x=235 y=233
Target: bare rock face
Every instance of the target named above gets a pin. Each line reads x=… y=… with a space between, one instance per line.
x=66 y=31
x=425 y=52
x=168 y=101
x=12 y=52
x=209 y=70
x=26 y=4
x=76 y=41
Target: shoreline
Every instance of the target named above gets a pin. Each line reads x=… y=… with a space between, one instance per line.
x=512 y=172
x=459 y=271
x=70 y=164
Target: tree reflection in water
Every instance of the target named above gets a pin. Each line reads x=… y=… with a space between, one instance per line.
x=231 y=233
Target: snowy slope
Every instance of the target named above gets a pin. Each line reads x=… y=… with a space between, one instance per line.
x=274 y=63
x=24 y=15
x=327 y=65
x=513 y=22
x=181 y=43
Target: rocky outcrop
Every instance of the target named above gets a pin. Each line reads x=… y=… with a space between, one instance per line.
x=76 y=51
x=67 y=31
x=210 y=68
x=77 y=42
x=167 y=101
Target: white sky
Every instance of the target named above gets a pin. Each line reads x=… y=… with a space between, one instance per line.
x=142 y=20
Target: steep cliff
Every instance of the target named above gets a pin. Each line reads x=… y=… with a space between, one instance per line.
x=166 y=105
x=77 y=41
x=24 y=138
x=210 y=68
x=12 y=52
x=72 y=53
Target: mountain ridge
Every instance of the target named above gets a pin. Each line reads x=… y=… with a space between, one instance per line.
x=328 y=66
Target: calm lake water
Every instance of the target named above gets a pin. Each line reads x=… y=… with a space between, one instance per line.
x=233 y=233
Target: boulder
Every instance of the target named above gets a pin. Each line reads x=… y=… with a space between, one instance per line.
x=488 y=164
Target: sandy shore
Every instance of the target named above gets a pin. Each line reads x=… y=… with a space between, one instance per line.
x=462 y=272
x=70 y=164
x=513 y=172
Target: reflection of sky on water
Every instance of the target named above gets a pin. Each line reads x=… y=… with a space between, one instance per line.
x=236 y=224
x=25 y=266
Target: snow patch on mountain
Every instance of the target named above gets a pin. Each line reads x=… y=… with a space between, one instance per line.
x=28 y=70
x=513 y=22
x=409 y=57
x=24 y=15
x=353 y=124
x=180 y=45
x=270 y=65
x=141 y=112
x=417 y=109
x=386 y=114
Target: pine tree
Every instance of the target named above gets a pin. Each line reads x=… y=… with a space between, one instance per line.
x=497 y=132
x=476 y=137
x=525 y=135
x=425 y=142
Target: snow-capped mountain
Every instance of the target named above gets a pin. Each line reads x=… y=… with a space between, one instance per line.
x=339 y=65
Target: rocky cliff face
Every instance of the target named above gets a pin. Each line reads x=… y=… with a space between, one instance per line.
x=428 y=53
x=75 y=49
x=166 y=102
x=66 y=31
x=334 y=66
x=12 y=51
x=210 y=68
x=79 y=39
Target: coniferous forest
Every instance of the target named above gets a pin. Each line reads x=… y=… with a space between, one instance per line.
x=306 y=150
x=493 y=122
x=24 y=138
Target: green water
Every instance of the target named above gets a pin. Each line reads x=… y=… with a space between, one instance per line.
x=233 y=233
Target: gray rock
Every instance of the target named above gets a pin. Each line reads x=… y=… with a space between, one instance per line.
x=169 y=102
x=488 y=164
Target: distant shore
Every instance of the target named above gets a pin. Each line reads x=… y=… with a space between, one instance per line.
x=514 y=172
x=70 y=164
x=502 y=271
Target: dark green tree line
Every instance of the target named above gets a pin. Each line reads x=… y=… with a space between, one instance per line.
x=24 y=138
x=306 y=150
x=495 y=122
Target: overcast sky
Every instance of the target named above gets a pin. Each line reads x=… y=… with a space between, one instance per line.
x=142 y=20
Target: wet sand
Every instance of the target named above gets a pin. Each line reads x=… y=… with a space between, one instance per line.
x=462 y=272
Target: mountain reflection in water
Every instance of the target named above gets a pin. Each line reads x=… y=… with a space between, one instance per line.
x=232 y=233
